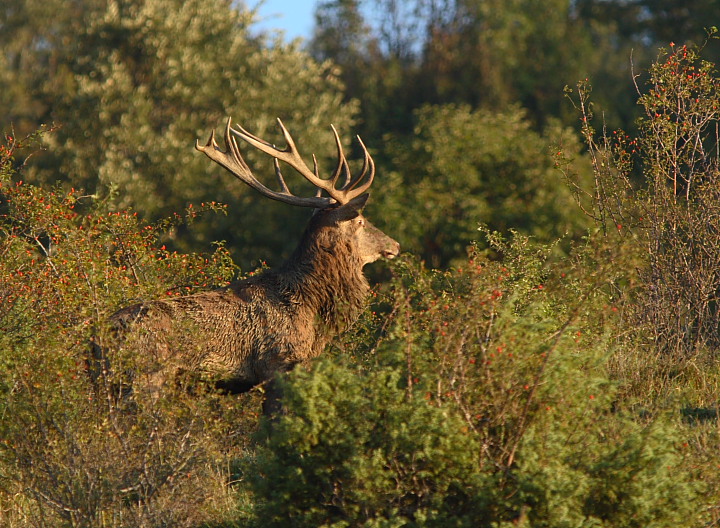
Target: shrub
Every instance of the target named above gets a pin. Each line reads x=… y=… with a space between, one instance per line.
x=71 y=453
x=462 y=167
x=655 y=198
x=659 y=191
x=487 y=402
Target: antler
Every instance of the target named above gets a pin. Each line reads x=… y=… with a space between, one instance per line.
x=233 y=161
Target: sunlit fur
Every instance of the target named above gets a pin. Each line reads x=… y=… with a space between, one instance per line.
x=244 y=334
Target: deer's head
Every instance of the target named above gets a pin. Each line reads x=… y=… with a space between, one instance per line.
x=343 y=228
x=337 y=224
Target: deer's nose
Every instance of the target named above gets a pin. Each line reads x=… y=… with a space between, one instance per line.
x=392 y=252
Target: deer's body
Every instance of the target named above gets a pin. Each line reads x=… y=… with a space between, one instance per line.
x=244 y=334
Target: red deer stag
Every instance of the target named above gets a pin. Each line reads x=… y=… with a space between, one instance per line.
x=246 y=333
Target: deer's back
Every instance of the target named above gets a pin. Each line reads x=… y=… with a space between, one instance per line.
x=241 y=334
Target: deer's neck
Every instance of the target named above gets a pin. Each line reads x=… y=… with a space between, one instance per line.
x=327 y=285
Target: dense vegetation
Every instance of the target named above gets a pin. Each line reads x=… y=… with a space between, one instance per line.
x=544 y=354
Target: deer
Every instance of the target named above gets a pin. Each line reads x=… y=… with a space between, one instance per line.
x=250 y=332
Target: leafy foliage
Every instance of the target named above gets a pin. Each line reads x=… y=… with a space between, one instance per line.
x=132 y=96
x=76 y=454
x=466 y=167
x=674 y=212
x=490 y=54
x=529 y=382
x=463 y=415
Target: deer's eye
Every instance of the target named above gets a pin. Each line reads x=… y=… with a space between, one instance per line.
x=361 y=222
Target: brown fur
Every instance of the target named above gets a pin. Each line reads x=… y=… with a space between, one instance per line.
x=244 y=334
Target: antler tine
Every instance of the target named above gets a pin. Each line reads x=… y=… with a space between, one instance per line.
x=291 y=156
x=281 y=181
x=233 y=161
x=368 y=164
x=318 y=191
x=235 y=152
x=342 y=162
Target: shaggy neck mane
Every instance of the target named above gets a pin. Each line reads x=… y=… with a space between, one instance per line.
x=326 y=281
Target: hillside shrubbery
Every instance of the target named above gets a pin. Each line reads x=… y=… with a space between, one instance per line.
x=465 y=166
x=73 y=454
x=657 y=195
x=518 y=388
x=487 y=402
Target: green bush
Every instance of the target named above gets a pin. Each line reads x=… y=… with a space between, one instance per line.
x=357 y=450
x=71 y=453
x=659 y=190
x=486 y=403
x=465 y=166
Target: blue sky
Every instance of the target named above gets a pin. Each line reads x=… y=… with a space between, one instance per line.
x=295 y=17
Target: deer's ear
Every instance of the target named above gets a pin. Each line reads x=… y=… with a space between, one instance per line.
x=351 y=209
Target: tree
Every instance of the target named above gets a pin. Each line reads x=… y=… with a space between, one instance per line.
x=463 y=167
x=653 y=23
x=485 y=53
x=133 y=83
